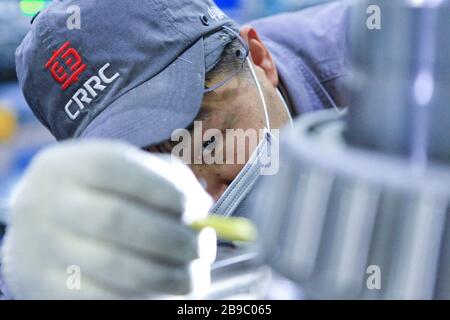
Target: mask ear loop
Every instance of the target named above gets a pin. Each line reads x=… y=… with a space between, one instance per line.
x=252 y=71
x=291 y=122
x=261 y=94
x=221 y=83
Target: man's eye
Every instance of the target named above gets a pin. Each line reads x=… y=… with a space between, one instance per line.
x=209 y=142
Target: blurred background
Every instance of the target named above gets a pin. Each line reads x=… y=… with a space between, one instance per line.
x=21 y=136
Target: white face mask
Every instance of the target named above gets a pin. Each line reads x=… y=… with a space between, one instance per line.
x=236 y=198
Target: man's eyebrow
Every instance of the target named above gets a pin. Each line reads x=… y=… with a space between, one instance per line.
x=203 y=114
x=166 y=146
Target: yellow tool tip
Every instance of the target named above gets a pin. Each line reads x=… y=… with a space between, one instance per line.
x=229 y=229
x=8 y=124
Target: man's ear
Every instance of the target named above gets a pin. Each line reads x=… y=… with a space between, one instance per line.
x=260 y=54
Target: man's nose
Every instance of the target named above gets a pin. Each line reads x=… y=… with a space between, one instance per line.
x=213 y=183
x=215 y=186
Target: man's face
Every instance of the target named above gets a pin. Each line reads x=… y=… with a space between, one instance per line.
x=232 y=106
x=235 y=106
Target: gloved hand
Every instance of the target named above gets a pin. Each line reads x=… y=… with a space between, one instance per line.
x=111 y=214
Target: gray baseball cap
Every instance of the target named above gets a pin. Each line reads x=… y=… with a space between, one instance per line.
x=132 y=70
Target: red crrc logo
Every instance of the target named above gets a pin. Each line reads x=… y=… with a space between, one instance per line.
x=66 y=65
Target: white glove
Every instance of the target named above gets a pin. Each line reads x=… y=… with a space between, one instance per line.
x=114 y=215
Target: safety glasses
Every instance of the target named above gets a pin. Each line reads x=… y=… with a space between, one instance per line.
x=226 y=75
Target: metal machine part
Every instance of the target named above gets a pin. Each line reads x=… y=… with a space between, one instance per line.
x=238 y=273
x=401 y=76
x=360 y=207
x=336 y=215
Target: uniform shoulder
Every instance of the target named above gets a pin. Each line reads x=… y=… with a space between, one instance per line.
x=318 y=18
x=317 y=33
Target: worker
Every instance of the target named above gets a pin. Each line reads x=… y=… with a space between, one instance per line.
x=135 y=72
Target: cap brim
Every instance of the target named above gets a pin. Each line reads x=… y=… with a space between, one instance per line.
x=150 y=113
